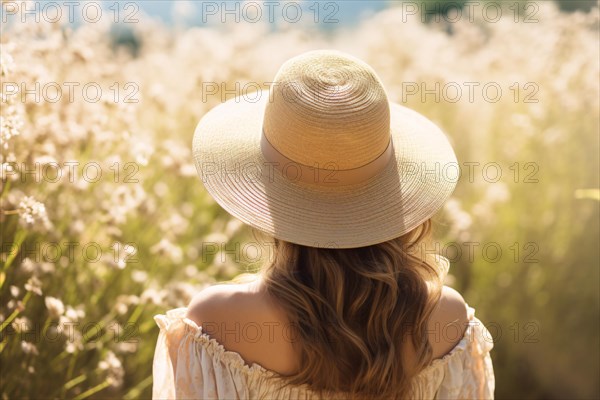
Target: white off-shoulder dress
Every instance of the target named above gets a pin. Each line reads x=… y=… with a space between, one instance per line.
x=205 y=370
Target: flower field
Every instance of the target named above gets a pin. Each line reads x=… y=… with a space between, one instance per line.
x=105 y=223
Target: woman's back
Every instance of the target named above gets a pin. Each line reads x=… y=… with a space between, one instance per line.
x=245 y=319
x=232 y=342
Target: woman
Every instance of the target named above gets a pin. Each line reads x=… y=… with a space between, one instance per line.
x=351 y=304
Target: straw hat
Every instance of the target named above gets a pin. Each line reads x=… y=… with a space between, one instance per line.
x=322 y=158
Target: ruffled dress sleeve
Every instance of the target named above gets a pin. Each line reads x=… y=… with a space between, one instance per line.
x=162 y=366
x=466 y=372
x=189 y=365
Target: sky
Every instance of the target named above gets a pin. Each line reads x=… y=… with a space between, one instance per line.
x=194 y=13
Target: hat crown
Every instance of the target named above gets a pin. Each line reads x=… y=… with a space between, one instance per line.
x=327 y=107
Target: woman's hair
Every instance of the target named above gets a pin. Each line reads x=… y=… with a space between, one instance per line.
x=354 y=311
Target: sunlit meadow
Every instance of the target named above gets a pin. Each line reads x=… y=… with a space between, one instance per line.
x=86 y=263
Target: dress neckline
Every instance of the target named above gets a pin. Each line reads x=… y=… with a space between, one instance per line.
x=177 y=317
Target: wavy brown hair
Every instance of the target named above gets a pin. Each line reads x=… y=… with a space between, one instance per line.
x=355 y=310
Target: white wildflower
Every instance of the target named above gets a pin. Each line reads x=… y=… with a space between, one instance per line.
x=121 y=308
x=34 y=285
x=175 y=223
x=460 y=219
x=21 y=324
x=7 y=63
x=167 y=248
x=153 y=296
x=126 y=346
x=142 y=151
x=122 y=253
x=74 y=342
x=29 y=348
x=10 y=126
x=497 y=193
x=74 y=314
x=55 y=306
x=139 y=276
x=33 y=212
x=114 y=368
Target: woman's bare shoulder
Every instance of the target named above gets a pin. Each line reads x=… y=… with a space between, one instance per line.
x=213 y=300
x=448 y=322
x=221 y=307
x=243 y=320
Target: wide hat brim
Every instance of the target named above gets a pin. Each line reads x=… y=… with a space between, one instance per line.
x=419 y=178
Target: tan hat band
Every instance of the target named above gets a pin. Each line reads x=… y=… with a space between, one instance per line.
x=327 y=174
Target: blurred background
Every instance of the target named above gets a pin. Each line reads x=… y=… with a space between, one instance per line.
x=104 y=222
